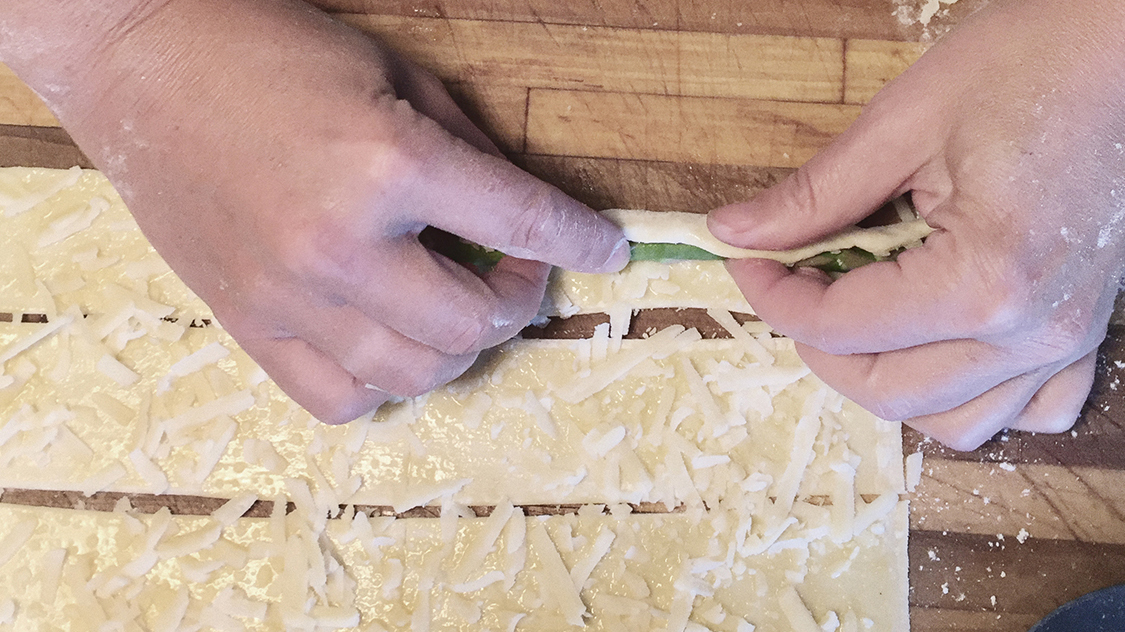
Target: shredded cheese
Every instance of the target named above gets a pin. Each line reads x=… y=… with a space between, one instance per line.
x=556 y=578
x=913 y=471
x=795 y=611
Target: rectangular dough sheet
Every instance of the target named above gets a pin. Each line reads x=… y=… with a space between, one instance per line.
x=78 y=570
x=772 y=475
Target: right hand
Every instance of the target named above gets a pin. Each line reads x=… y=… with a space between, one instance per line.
x=284 y=164
x=1009 y=135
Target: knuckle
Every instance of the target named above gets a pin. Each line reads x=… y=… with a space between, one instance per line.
x=998 y=302
x=951 y=433
x=1073 y=330
x=414 y=383
x=542 y=228
x=466 y=334
x=549 y=226
x=813 y=334
x=429 y=373
x=882 y=400
x=834 y=344
x=248 y=306
x=889 y=408
x=1061 y=340
x=419 y=379
x=803 y=198
x=877 y=391
x=1057 y=423
x=535 y=221
x=962 y=442
x=339 y=410
x=302 y=254
x=879 y=105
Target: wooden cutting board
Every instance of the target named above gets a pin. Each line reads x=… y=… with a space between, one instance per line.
x=688 y=104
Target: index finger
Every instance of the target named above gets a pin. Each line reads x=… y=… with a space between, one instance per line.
x=494 y=203
x=920 y=298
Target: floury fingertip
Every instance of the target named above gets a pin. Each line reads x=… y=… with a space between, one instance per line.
x=619 y=257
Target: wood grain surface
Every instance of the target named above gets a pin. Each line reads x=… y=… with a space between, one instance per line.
x=689 y=104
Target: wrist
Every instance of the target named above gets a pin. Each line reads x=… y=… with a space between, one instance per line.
x=70 y=51
x=42 y=37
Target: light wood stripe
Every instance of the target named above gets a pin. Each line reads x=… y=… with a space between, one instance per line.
x=682 y=129
x=19 y=105
x=658 y=62
x=498 y=110
x=870 y=64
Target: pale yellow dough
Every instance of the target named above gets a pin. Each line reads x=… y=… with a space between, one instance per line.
x=67 y=236
x=391 y=574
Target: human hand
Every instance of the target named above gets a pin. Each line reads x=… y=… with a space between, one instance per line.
x=1009 y=133
x=284 y=165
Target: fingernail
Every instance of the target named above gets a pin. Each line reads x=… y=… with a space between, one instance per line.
x=619 y=257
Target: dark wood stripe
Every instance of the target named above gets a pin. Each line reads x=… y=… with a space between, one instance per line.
x=576 y=327
x=39 y=319
x=1004 y=447
x=654 y=185
x=189 y=505
x=179 y=504
x=47 y=147
x=482 y=511
x=643 y=323
x=964 y=572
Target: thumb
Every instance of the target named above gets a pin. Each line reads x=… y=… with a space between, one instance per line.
x=864 y=167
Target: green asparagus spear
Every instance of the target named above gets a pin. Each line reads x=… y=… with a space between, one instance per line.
x=484 y=259
x=669 y=252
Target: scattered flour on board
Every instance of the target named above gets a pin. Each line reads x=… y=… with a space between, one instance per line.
x=911 y=12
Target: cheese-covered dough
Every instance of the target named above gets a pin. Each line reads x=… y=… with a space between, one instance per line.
x=779 y=500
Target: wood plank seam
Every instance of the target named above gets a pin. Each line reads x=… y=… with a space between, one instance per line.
x=526 y=117
x=540 y=21
x=659 y=161
x=870 y=20
x=734 y=130
x=805 y=69
x=666 y=95
x=191 y=505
